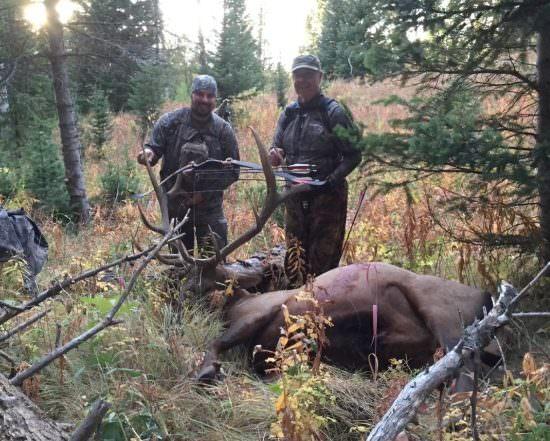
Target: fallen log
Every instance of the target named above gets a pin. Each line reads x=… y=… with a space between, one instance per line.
x=476 y=337
x=22 y=420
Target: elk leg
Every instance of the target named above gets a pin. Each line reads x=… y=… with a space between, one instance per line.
x=241 y=330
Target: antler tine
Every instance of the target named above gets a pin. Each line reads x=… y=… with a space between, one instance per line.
x=161 y=196
x=147 y=223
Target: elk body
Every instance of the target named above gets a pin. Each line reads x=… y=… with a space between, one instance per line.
x=414 y=315
x=376 y=308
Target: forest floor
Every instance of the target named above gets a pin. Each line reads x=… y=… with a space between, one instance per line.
x=144 y=366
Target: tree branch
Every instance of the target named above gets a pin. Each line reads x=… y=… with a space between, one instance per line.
x=106 y=322
x=68 y=281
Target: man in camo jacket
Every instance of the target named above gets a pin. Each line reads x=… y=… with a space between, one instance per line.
x=195 y=134
x=305 y=134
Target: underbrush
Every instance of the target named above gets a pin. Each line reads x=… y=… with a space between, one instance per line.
x=145 y=365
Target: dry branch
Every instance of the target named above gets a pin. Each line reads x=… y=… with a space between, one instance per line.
x=106 y=322
x=68 y=281
x=476 y=337
x=23 y=325
x=92 y=421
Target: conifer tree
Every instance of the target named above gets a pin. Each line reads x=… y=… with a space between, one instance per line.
x=202 y=58
x=147 y=93
x=116 y=37
x=471 y=52
x=281 y=85
x=341 y=42
x=236 y=65
x=44 y=175
x=101 y=121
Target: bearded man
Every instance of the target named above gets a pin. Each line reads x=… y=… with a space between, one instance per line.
x=195 y=134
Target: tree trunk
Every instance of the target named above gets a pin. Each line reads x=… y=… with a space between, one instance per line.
x=542 y=154
x=22 y=420
x=70 y=140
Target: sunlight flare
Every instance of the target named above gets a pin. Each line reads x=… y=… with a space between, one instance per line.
x=35 y=13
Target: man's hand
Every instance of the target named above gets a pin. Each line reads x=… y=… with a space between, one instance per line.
x=147 y=156
x=276 y=156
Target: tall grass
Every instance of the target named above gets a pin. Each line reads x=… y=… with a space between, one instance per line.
x=145 y=366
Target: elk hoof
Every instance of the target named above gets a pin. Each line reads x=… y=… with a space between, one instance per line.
x=210 y=373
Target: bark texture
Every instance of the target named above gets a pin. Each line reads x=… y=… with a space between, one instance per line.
x=542 y=151
x=22 y=420
x=70 y=139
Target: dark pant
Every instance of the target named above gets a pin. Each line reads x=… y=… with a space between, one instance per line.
x=200 y=225
x=318 y=221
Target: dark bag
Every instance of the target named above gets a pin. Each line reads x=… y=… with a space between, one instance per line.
x=20 y=236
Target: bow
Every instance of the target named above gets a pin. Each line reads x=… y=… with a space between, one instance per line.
x=295 y=173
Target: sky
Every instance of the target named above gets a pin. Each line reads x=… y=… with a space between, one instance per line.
x=284 y=29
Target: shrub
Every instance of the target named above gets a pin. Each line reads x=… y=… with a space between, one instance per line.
x=120 y=181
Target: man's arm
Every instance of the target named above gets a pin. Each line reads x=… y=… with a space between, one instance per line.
x=351 y=155
x=154 y=148
x=277 y=153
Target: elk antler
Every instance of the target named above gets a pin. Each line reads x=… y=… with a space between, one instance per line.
x=272 y=200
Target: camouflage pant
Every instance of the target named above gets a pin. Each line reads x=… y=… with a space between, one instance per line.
x=318 y=222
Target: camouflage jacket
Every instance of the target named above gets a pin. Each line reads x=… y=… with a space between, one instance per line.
x=173 y=130
x=302 y=133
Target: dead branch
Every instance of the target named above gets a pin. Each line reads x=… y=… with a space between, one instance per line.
x=23 y=325
x=92 y=421
x=106 y=322
x=68 y=281
x=530 y=314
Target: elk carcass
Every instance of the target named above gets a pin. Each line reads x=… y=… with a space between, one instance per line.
x=376 y=308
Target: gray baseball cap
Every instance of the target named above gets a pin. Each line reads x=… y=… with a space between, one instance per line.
x=306 y=62
x=204 y=82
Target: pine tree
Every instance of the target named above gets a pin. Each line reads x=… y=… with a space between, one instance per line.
x=236 y=65
x=202 y=58
x=471 y=52
x=44 y=175
x=117 y=36
x=101 y=121
x=342 y=39
x=147 y=93
x=281 y=85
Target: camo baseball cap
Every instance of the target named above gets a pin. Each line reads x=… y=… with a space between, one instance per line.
x=204 y=82
x=306 y=62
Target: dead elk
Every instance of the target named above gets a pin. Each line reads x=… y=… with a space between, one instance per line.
x=414 y=315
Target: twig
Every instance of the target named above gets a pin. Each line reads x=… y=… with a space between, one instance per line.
x=10 y=306
x=106 y=322
x=473 y=397
x=92 y=421
x=8 y=358
x=57 y=335
x=23 y=325
x=530 y=314
x=59 y=286
x=529 y=285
